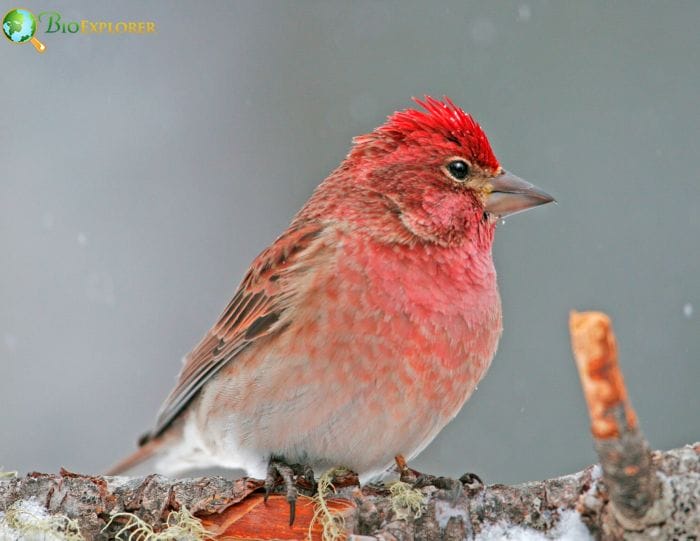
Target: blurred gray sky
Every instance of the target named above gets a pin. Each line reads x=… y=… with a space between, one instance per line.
x=143 y=173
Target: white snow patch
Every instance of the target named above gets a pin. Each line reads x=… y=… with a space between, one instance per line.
x=10 y=341
x=688 y=310
x=570 y=528
x=482 y=31
x=28 y=520
x=116 y=482
x=524 y=13
x=444 y=511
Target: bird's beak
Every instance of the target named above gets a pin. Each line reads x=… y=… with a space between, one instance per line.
x=510 y=194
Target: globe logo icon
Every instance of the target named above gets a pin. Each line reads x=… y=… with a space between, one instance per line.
x=19 y=26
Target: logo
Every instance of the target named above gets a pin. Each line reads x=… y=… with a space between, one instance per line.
x=19 y=26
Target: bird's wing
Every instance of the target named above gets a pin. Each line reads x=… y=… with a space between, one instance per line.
x=259 y=308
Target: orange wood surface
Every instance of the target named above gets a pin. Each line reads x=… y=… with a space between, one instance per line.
x=253 y=519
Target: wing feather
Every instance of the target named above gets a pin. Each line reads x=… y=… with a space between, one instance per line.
x=259 y=308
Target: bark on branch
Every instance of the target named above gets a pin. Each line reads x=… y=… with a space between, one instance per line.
x=633 y=494
x=234 y=509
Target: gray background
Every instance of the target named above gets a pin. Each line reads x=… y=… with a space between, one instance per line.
x=141 y=175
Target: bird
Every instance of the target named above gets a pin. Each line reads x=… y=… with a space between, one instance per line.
x=361 y=331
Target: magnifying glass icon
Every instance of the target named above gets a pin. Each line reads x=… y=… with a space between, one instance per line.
x=19 y=26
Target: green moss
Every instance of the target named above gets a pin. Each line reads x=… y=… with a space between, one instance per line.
x=180 y=525
x=406 y=501
x=333 y=524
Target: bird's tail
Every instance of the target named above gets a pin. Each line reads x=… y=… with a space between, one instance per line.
x=149 y=448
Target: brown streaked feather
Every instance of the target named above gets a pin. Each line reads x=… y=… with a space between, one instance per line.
x=257 y=309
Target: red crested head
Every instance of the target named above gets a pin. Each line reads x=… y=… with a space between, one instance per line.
x=433 y=170
x=442 y=119
x=441 y=124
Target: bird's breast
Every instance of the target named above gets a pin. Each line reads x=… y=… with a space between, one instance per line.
x=421 y=319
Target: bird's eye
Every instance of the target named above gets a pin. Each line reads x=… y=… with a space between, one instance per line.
x=458 y=169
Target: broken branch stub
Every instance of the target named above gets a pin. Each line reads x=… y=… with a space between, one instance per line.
x=624 y=454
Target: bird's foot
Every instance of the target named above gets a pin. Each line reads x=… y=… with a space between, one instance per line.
x=448 y=489
x=472 y=482
x=291 y=475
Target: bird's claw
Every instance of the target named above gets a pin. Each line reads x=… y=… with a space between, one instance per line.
x=278 y=468
x=449 y=489
x=472 y=482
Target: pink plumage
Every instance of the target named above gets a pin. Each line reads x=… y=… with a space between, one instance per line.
x=362 y=330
